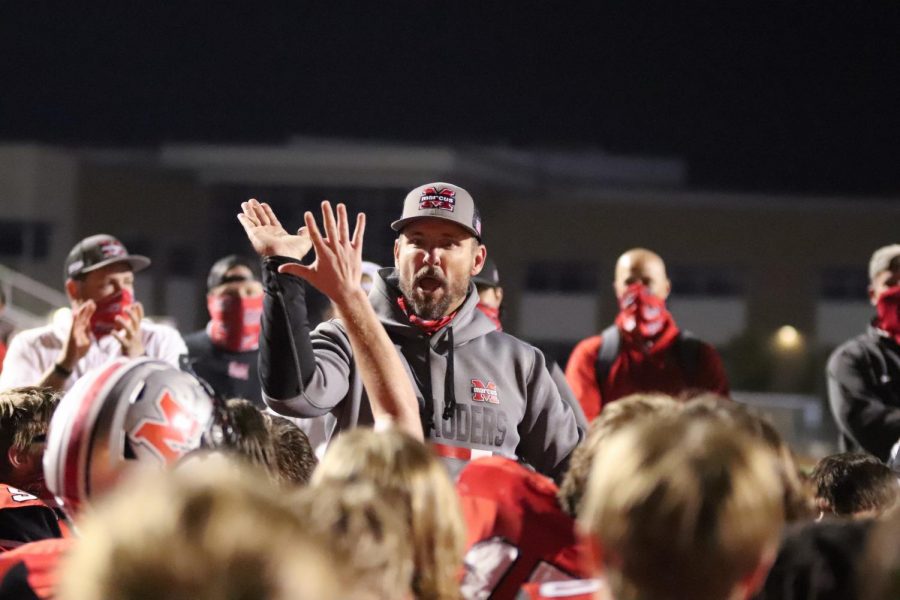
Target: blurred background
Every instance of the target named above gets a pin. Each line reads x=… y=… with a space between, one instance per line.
x=753 y=145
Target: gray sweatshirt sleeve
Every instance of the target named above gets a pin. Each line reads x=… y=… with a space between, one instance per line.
x=548 y=432
x=330 y=381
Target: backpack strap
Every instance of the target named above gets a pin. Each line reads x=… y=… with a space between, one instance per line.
x=687 y=348
x=610 y=345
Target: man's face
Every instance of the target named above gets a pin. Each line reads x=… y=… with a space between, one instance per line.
x=241 y=289
x=642 y=268
x=435 y=259
x=884 y=281
x=27 y=468
x=101 y=283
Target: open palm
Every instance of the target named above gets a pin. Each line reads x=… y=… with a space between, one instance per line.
x=268 y=236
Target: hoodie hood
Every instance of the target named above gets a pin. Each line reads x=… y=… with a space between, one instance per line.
x=468 y=324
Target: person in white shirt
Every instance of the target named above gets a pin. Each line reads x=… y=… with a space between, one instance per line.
x=105 y=322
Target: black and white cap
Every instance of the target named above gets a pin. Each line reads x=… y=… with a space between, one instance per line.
x=97 y=251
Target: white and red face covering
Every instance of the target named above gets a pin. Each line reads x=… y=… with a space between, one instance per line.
x=235 y=321
x=645 y=318
x=103 y=321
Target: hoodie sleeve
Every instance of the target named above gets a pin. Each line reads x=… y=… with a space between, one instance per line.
x=302 y=374
x=548 y=432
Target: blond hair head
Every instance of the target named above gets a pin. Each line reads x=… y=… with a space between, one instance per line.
x=367 y=526
x=683 y=509
x=615 y=415
x=397 y=461
x=210 y=530
x=25 y=413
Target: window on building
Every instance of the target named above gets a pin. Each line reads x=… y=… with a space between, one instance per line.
x=24 y=238
x=561 y=276
x=707 y=281
x=844 y=283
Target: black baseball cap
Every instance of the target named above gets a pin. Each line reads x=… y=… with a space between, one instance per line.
x=98 y=251
x=489 y=275
x=217 y=276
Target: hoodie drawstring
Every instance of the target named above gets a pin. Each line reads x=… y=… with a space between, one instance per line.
x=449 y=393
x=426 y=412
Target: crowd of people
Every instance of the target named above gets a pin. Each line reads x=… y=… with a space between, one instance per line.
x=408 y=447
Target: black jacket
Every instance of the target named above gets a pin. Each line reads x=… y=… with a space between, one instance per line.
x=864 y=392
x=231 y=374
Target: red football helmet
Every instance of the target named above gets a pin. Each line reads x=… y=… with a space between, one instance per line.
x=141 y=409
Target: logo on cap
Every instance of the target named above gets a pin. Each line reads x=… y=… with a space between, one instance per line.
x=112 y=248
x=435 y=197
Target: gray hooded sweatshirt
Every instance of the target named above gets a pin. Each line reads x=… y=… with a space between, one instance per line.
x=480 y=391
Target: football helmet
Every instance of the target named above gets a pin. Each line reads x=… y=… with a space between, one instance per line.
x=130 y=409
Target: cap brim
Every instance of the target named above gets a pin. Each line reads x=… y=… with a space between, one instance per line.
x=135 y=261
x=399 y=224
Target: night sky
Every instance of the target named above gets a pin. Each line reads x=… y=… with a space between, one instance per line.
x=778 y=96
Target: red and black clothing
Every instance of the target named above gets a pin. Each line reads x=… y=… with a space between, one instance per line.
x=641 y=365
x=31 y=571
x=24 y=518
x=516 y=530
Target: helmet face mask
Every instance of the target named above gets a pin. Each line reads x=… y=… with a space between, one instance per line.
x=140 y=410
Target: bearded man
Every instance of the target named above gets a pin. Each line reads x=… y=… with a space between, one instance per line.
x=480 y=391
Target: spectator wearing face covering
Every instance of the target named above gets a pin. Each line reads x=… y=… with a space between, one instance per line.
x=225 y=352
x=644 y=351
x=863 y=372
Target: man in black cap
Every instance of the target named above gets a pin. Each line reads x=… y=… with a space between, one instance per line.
x=226 y=351
x=479 y=391
x=105 y=323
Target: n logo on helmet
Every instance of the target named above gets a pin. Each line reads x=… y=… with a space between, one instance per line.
x=174 y=433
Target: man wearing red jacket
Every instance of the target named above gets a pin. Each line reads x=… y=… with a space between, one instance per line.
x=644 y=351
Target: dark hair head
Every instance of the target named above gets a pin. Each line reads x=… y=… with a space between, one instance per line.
x=853 y=482
x=294 y=456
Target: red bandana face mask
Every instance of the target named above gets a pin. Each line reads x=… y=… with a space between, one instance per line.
x=888 y=308
x=235 y=321
x=644 y=315
x=429 y=326
x=491 y=313
x=103 y=321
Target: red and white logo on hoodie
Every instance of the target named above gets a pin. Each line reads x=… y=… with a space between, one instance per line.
x=485 y=391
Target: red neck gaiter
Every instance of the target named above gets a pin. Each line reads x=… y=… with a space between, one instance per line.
x=429 y=326
x=645 y=321
x=491 y=313
x=888 y=309
x=103 y=321
x=235 y=321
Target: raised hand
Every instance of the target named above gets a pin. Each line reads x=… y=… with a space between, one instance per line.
x=267 y=235
x=337 y=270
x=128 y=331
x=79 y=341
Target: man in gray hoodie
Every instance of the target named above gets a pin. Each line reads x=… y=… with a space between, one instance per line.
x=480 y=391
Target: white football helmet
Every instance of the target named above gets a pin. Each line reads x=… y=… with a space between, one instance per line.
x=131 y=409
